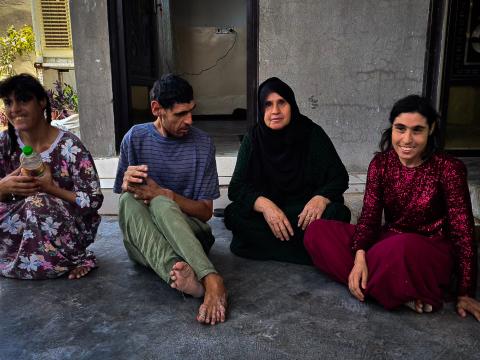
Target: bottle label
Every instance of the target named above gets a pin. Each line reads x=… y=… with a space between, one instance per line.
x=34 y=172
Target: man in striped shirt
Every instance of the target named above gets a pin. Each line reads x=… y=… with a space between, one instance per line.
x=168 y=179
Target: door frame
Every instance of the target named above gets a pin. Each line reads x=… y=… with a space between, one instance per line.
x=252 y=59
x=120 y=92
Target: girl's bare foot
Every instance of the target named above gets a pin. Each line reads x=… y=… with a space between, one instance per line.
x=419 y=307
x=184 y=279
x=427 y=308
x=79 y=272
x=214 y=307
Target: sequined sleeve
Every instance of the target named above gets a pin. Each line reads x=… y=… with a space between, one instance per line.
x=368 y=226
x=460 y=224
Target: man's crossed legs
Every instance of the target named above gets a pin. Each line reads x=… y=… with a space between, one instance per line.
x=162 y=237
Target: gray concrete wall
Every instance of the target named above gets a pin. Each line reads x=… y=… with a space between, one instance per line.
x=93 y=74
x=347 y=61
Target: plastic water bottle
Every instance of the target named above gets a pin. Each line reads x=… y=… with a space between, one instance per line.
x=31 y=162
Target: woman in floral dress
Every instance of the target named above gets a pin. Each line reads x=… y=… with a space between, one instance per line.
x=47 y=222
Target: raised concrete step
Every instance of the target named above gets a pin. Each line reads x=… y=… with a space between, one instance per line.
x=225 y=166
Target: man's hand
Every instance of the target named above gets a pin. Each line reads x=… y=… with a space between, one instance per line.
x=17 y=184
x=358 y=276
x=466 y=304
x=312 y=211
x=150 y=190
x=134 y=175
x=275 y=218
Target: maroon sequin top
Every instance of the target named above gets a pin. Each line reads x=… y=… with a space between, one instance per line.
x=431 y=199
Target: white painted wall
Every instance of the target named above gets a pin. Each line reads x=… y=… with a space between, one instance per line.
x=197 y=46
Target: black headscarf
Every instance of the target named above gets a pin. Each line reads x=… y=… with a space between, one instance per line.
x=277 y=164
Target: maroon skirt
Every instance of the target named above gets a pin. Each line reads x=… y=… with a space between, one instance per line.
x=401 y=266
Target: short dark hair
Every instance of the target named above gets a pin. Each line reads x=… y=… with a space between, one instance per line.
x=23 y=86
x=170 y=90
x=415 y=104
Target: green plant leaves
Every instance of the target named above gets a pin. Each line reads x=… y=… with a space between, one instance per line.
x=14 y=44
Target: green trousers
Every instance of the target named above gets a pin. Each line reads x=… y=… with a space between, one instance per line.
x=160 y=234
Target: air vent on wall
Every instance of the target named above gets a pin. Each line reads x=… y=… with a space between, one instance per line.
x=56 y=24
x=51 y=20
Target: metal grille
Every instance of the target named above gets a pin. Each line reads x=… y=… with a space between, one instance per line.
x=56 y=23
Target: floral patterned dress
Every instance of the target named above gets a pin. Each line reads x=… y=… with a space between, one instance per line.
x=42 y=236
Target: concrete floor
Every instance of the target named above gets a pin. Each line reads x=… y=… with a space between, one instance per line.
x=277 y=311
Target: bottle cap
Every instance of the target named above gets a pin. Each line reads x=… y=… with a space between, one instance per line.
x=27 y=150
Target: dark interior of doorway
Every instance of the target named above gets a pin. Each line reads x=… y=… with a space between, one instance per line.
x=453 y=73
x=134 y=55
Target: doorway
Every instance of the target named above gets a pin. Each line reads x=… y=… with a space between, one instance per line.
x=213 y=44
x=454 y=73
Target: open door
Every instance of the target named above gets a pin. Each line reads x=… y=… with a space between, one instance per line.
x=211 y=43
x=135 y=60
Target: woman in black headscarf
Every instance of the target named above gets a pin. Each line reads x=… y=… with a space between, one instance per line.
x=287 y=175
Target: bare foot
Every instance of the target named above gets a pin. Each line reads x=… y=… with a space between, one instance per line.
x=184 y=279
x=214 y=305
x=79 y=272
x=427 y=308
x=419 y=307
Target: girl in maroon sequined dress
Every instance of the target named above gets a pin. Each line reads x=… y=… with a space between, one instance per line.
x=428 y=231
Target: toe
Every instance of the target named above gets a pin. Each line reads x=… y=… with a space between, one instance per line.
x=219 y=315
x=179 y=266
x=202 y=313
x=213 y=319
x=419 y=306
x=208 y=317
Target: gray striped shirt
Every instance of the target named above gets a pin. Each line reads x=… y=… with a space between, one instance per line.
x=185 y=165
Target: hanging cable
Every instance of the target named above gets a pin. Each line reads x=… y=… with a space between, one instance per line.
x=218 y=60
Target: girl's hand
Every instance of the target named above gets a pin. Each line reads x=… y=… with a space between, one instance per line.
x=17 y=184
x=45 y=182
x=466 y=304
x=358 y=276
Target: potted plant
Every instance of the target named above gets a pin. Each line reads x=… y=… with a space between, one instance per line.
x=64 y=103
x=63 y=100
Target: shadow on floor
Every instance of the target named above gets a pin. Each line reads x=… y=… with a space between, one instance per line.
x=278 y=311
